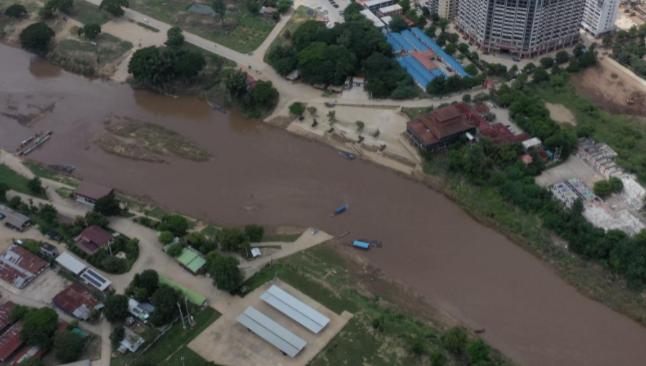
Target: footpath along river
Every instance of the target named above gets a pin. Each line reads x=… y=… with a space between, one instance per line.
x=259 y=174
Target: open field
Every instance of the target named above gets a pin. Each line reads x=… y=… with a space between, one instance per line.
x=173 y=342
x=13 y=180
x=90 y=58
x=300 y=16
x=87 y=13
x=612 y=88
x=561 y=114
x=239 y=30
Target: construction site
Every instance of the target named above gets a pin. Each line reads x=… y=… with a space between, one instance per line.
x=574 y=179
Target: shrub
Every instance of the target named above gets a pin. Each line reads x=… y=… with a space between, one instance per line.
x=15 y=11
x=36 y=38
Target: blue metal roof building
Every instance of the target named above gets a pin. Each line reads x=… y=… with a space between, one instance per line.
x=450 y=60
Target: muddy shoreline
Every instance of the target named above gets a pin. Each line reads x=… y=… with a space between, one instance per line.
x=263 y=175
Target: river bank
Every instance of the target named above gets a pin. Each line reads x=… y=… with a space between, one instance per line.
x=261 y=174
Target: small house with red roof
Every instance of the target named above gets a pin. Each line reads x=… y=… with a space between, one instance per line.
x=10 y=342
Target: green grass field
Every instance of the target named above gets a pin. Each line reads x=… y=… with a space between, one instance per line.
x=13 y=180
x=169 y=349
x=379 y=334
x=243 y=32
x=87 y=13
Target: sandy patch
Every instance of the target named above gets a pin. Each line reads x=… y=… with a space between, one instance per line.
x=561 y=114
x=613 y=88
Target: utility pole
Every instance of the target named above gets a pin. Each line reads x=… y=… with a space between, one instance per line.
x=181 y=315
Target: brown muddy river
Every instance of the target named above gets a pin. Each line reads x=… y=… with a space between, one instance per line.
x=263 y=175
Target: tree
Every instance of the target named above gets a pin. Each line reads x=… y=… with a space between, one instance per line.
x=398 y=24
x=35 y=186
x=442 y=23
x=175 y=250
x=114 y=7
x=166 y=237
x=15 y=11
x=108 y=205
x=176 y=224
x=90 y=31
x=3 y=192
x=165 y=300
x=147 y=282
x=219 y=7
x=225 y=271
x=455 y=340
x=253 y=6
x=546 y=62
x=297 y=109
x=95 y=218
x=263 y=96
x=602 y=188
x=236 y=84
x=616 y=185
x=117 y=335
x=116 y=308
x=36 y=38
x=312 y=111
x=331 y=116
x=283 y=6
x=175 y=38
x=39 y=326
x=562 y=57
x=478 y=352
x=68 y=346
x=231 y=239
x=360 y=125
x=254 y=233
x=540 y=75
x=52 y=6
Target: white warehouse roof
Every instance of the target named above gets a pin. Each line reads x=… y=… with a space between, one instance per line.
x=372 y=17
x=272 y=332
x=71 y=263
x=295 y=309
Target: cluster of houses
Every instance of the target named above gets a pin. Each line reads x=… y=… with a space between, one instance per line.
x=13 y=349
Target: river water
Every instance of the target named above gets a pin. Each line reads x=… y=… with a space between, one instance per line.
x=263 y=175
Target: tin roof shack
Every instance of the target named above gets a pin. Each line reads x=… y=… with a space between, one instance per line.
x=88 y=193
x=71 y=263
x=14 y=220
x=19 y=267
x=5 y=314
x=92 y=239
x=440 y=128
x=77 y=301
x=10 y=342
x=131 y=341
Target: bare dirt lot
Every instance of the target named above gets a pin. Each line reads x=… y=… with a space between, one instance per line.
x=228 y=343
x=612 y=88
x=561 y=114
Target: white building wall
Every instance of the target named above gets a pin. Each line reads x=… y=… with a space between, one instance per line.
x=599 y=16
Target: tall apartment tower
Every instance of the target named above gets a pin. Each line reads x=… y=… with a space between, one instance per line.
x=524 y=28
x=447 y=9
x=599 y=16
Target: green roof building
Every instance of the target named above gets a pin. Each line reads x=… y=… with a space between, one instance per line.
x=192 y=260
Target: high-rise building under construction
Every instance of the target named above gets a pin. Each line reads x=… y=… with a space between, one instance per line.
x=523 y=28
